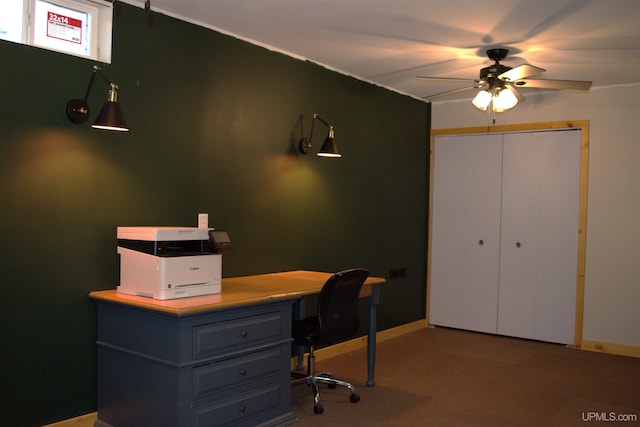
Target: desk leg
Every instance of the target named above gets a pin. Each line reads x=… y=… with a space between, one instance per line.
x=300 y=348
x=371 y=337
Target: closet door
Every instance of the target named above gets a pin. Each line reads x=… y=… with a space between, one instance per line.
x=539 y=241
x=465 y=232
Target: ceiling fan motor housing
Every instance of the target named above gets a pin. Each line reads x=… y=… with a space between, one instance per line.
x=489 y=75
x=497 y=54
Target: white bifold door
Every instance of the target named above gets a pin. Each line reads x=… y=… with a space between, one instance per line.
x=504 y=233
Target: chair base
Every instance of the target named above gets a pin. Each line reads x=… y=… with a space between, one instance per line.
x=312 y=381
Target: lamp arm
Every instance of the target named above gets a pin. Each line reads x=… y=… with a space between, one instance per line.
x=311 y=133
x=315 y=116
x=96 y=70
x=93 y=76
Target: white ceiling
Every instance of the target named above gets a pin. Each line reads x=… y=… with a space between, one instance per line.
x=390 y=42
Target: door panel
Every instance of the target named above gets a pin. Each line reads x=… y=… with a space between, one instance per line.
x=540 y=211
x=519 y=238
x=558 y=257
x=465 y=232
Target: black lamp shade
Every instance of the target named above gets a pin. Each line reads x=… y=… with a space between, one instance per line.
x=111 y=118
x=329 y=149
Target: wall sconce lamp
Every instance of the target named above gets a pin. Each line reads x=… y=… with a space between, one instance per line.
x=110 y=117
x=328 y=148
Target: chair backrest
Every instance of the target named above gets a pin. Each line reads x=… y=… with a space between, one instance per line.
x=338 y=305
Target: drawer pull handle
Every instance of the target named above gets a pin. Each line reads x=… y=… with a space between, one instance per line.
x=243 y=371
x=244 y=333
x=243 y=408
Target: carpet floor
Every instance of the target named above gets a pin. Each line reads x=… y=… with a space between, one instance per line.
x=447 y=377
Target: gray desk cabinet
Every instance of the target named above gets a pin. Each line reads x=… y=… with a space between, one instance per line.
x=218 y=368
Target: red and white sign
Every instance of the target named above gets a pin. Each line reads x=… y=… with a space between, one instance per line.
x=64 y=28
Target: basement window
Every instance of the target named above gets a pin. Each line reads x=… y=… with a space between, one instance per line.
x=76 y=27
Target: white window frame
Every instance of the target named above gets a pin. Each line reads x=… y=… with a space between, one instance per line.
x=11 y=19
x=90 y=21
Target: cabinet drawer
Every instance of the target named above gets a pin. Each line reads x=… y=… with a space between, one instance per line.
x=238 y=371
x=241 y=410
x=225 y=336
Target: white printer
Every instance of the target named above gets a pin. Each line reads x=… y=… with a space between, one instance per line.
x=170 y=262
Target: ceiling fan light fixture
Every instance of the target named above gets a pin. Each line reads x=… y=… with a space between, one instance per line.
x=504 y=100
x=482 y=100
x=499 y=84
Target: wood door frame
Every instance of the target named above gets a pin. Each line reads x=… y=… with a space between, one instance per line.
x=583 y=125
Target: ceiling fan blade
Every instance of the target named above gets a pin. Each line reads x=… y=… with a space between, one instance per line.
x=565 y=85
x=449 y=92
x=521 y=72
x=446 y=79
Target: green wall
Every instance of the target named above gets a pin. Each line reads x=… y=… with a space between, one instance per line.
x=214 y=123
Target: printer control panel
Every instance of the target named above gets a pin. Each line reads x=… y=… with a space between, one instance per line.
x=219 y=240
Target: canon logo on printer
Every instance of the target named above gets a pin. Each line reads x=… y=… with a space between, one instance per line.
x=194 y=268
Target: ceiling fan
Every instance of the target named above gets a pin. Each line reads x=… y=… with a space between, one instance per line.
x=499 y=83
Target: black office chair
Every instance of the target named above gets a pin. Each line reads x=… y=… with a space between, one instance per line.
x=337 y=319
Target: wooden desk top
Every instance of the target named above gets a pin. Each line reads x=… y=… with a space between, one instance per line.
x=236 y=291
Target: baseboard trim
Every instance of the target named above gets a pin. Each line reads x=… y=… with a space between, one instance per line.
x=86 y=420
x=361 y=342
x=603 y=347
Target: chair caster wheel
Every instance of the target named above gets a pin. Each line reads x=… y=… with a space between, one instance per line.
x=318 y=409
x=355 y=397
